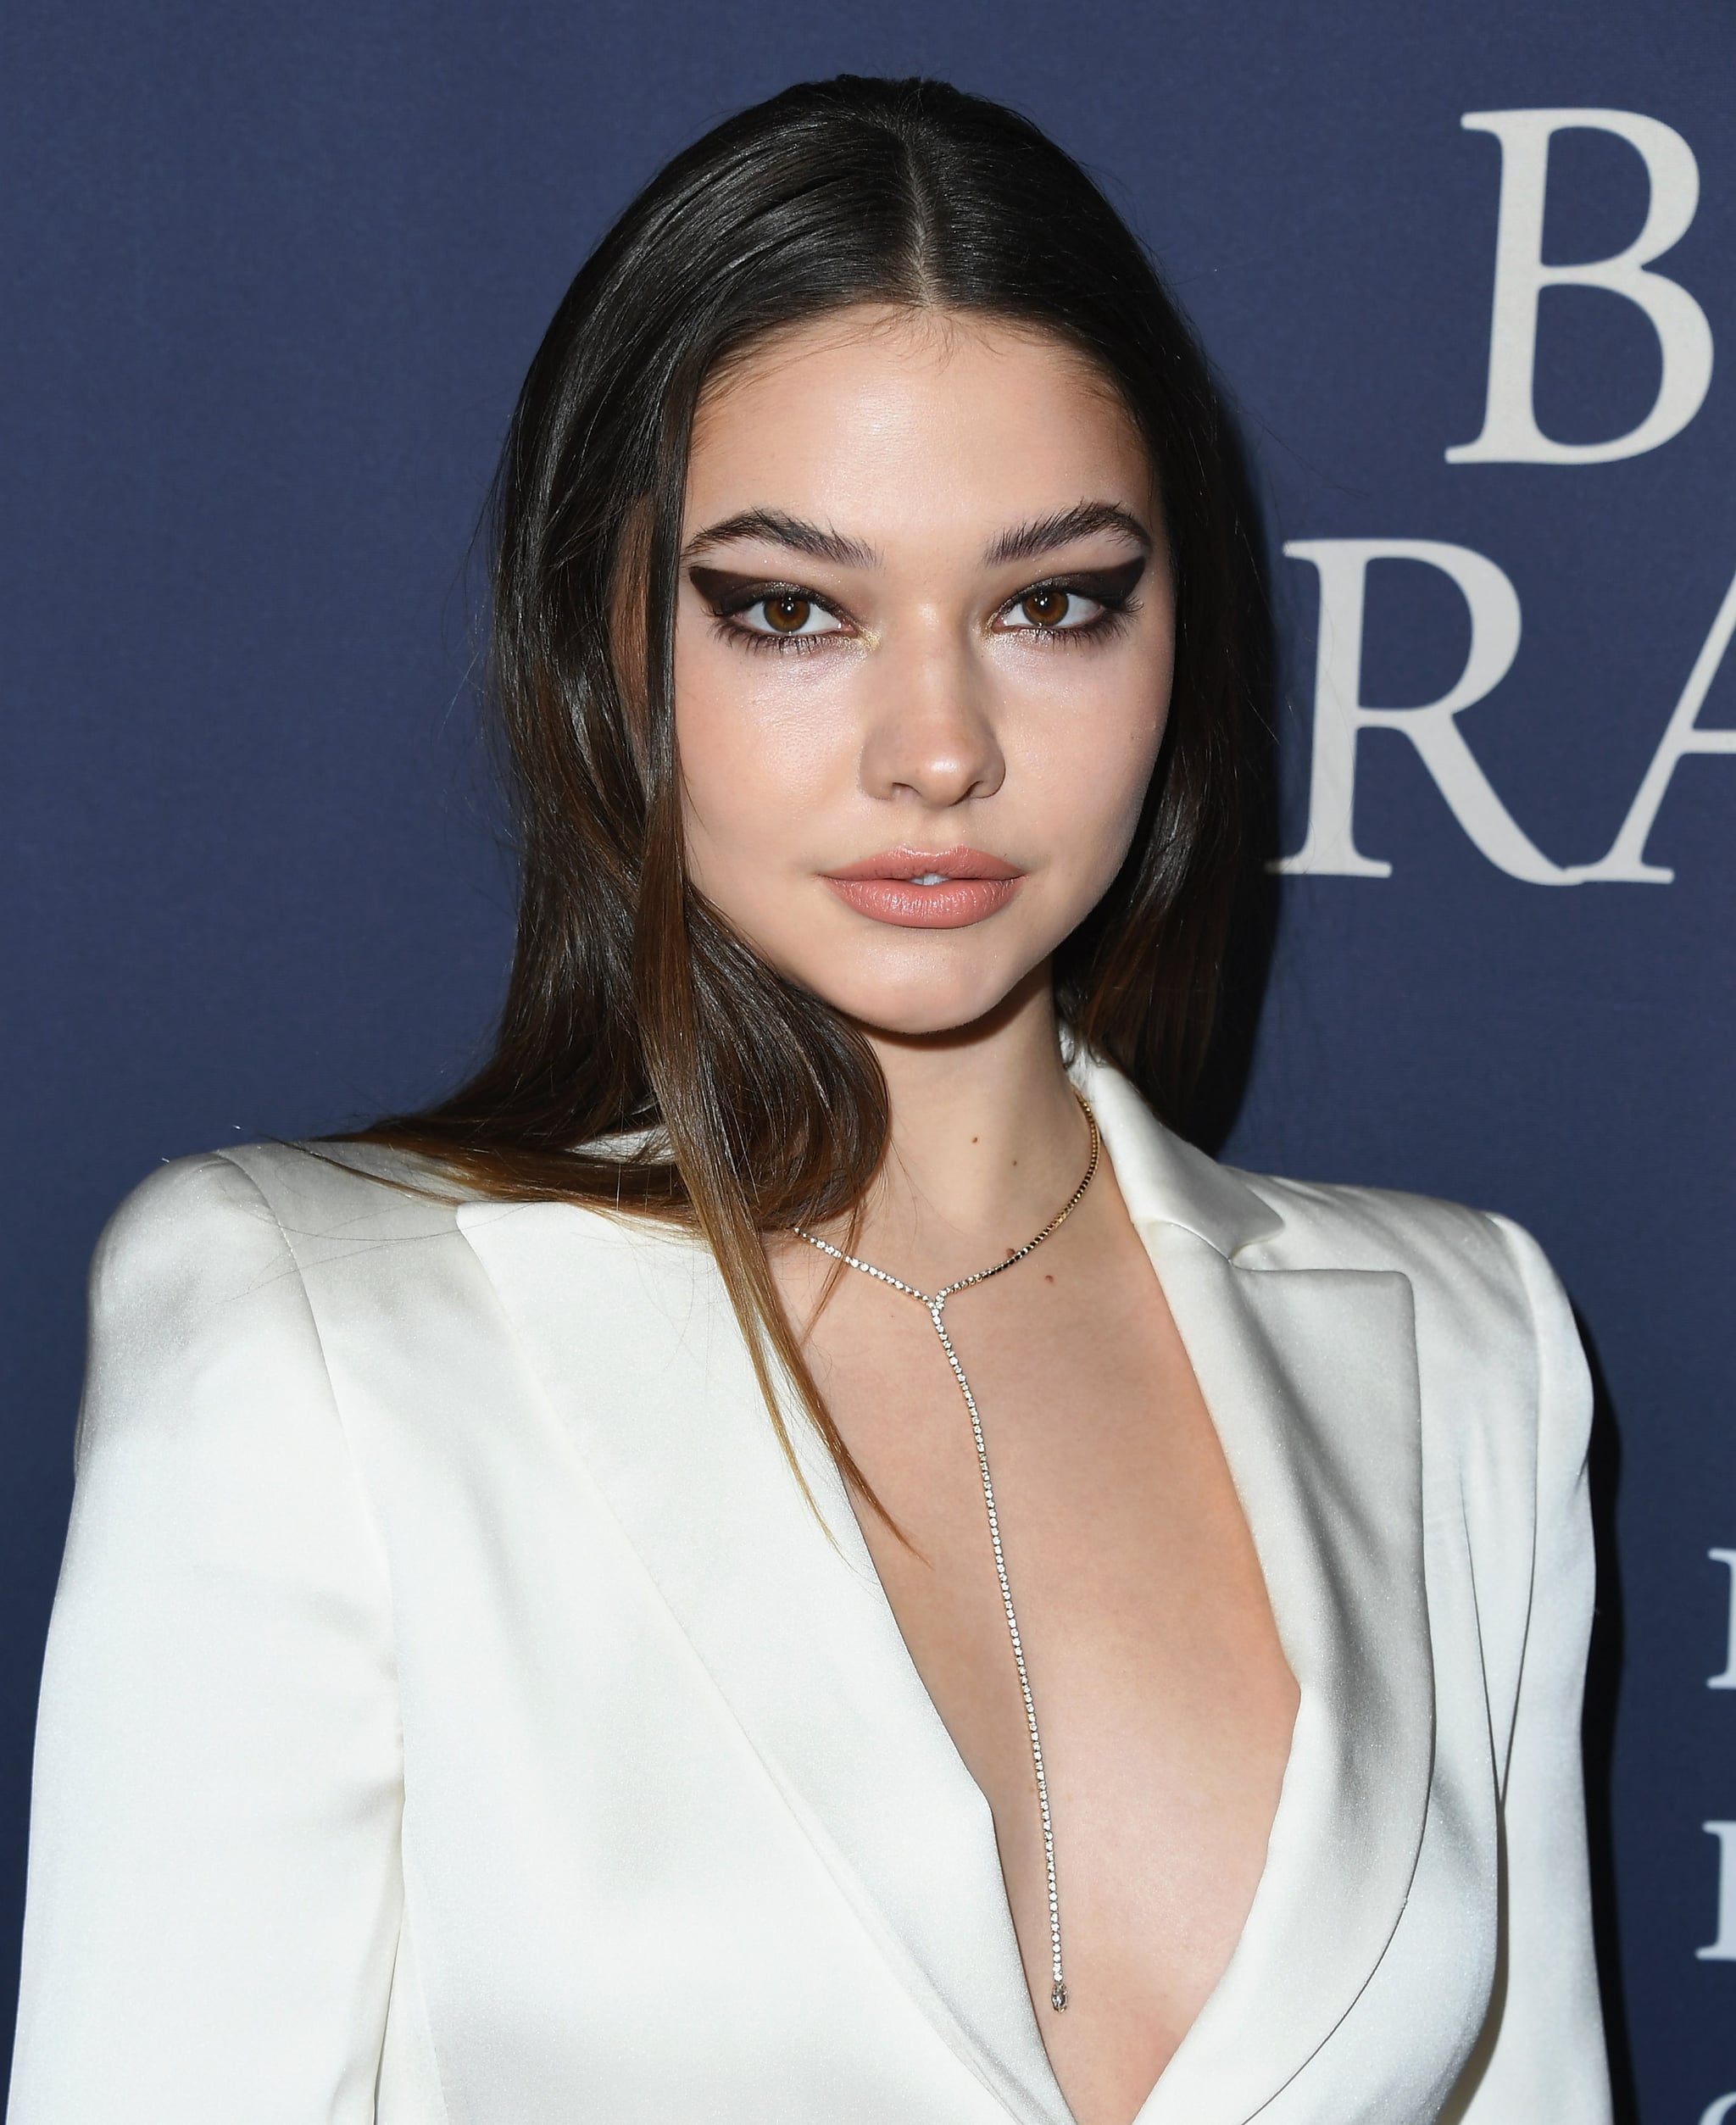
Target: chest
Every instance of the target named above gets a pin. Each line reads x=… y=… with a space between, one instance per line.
x=684 y=1830
x=1164 y=1704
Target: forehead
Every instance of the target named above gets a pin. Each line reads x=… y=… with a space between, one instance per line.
x=881 y=421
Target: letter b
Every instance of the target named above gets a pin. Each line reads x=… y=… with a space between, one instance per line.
x=1511 y=435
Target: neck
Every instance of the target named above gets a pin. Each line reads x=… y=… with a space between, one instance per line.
x=987 y=1139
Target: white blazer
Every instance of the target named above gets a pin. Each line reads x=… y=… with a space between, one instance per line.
x=455 y=1715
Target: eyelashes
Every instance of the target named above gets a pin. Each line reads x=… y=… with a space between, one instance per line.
x=787 y=609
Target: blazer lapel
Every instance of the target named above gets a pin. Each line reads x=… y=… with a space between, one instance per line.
x=637 y=1349
x=1310 y=1375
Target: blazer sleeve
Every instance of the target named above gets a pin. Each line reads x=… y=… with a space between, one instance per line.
x=1544 y=2061
x=214 y=1891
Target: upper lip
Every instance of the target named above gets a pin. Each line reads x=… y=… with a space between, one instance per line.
x=916 y=863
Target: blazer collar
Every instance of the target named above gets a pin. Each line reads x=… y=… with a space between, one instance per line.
x=1164 y=1180
x=1309 y=1376
x=639 y=1355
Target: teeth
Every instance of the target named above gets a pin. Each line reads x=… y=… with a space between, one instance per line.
x=929 y=878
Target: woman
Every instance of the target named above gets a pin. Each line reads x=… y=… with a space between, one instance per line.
x=792 y=1553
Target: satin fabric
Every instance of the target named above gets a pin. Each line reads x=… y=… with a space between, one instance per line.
x=454 y=1714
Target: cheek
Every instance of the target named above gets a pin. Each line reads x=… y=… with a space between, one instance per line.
x=1092 y=765
x=758 y=756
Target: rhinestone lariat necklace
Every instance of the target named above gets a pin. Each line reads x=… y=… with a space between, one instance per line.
x=935 y=1302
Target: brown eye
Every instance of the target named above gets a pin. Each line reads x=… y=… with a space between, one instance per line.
x=786 y=619
x=1045 y=608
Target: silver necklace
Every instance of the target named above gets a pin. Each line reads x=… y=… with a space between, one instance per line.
x=935 y=1302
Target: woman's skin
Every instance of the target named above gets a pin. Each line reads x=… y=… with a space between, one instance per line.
x=925 y=607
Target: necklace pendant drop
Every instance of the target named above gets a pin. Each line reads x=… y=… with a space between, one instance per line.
x=935 y=1304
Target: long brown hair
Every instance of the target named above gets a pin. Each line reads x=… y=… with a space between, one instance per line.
x=646 y=1060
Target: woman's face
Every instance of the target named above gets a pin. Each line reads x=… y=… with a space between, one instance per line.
x=923 y=652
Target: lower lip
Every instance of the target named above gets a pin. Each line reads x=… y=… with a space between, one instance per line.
x=951 y=906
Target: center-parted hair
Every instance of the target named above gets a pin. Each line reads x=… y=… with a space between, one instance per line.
x=648 y=1060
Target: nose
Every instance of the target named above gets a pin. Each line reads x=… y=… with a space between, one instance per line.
x=930 y=728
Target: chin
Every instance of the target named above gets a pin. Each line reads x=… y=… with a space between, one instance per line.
x=918 y=1006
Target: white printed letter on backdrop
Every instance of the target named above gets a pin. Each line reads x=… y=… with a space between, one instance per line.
x=1727 y=1679
x=1340 y=715
x=1724 y=1948
x=1510 y=434
x=1626 y=864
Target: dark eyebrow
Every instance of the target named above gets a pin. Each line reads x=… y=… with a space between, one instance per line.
x=785 y=530
x=1042 y=536
x=1025 y=542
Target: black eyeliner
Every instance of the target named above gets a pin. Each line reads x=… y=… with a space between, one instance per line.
x=726 y=591
x=1107 y=586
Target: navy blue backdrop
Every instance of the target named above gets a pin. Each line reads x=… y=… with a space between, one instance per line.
x=271 y=278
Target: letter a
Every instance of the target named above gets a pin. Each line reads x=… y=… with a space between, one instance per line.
x=1626 y=864
x=1340 y=715
x=1511 y=435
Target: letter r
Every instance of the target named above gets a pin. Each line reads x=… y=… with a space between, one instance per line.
x=1340 y=715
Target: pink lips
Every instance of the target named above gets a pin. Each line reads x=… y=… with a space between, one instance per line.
x=971 y=885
